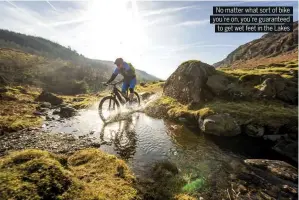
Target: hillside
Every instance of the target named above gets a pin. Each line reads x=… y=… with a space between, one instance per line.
x=270 y=48
x=36 y=61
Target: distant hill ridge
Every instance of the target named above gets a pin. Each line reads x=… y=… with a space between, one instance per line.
x=52 y=50
x=36 y=61
x=269 y=48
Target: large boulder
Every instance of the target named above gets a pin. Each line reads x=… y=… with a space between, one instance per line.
x=49 y=97
x=218 y=83
x=188 y=83
x=220 y=125
x=280 y=88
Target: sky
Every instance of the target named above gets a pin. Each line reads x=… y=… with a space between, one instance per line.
x=155 y=36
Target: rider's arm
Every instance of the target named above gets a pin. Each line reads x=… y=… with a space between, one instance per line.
x=113 y=76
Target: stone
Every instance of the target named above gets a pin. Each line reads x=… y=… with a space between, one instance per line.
x=45 y=105
x=67 y=112
x=254 y=130
x=274 y=138
x=145 y=95
x=281 y=89
x=220 y=125
x=277 y=168
x=49 y=97
x=56 y=112
x=188 y=82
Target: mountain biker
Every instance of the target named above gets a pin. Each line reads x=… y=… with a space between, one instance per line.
x=128 y=72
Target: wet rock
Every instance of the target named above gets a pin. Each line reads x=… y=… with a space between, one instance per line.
x=220 y=124
x=287 y=148
x=254 y=130
x=164 y=169
x=67 y=112
x=146 y=95
x=274 y=138
x=277 y=168
x=48 y=118
x=188 y=82
x=56 y=112
x=45 y=105
x=3 y=90
x=95 y=145
x=49 y=97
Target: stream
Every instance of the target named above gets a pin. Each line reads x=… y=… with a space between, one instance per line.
x=142 y=141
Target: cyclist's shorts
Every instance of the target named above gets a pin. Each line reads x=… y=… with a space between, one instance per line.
x=131 y=84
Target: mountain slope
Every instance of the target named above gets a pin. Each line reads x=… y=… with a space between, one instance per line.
x=33 y=60
x=269 y=48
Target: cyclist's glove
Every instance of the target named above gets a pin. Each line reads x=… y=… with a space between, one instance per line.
x=105 y=84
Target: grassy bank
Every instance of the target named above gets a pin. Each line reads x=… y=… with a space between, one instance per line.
x=260 y=112
x=154 y=87
x=285 y=69
x=17 y=108
x=87 y=174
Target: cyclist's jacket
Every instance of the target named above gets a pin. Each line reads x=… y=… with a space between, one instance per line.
x=127 y=71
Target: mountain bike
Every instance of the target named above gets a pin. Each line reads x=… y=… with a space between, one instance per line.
x=110 y=105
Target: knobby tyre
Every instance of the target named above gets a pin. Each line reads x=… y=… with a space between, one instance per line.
x=108 y=105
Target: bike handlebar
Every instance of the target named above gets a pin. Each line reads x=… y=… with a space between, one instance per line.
x=115 y=83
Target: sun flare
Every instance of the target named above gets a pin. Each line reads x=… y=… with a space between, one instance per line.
x=116 y=26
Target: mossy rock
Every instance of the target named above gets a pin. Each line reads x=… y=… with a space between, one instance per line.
x=87 y=174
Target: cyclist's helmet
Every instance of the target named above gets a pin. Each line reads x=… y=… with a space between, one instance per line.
x=118 y=61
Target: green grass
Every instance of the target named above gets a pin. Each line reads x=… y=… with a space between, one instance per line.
x=87 y=174
x=260 y=112
x=150 y=87
x=86 y=100
x=279 y=68
x=18 y=114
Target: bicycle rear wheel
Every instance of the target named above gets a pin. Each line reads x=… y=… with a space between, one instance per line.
x=108 y=107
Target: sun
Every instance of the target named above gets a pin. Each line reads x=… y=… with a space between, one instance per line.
x=116 y=28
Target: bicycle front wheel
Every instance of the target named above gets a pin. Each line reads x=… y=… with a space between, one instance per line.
x=136 y=100
x=108 y=107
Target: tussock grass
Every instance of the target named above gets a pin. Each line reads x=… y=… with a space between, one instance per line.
x=87 y=174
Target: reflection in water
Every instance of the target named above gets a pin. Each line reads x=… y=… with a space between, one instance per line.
x=123 y=138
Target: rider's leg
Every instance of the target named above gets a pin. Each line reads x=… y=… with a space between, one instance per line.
x=124 y=89
x=131 y=88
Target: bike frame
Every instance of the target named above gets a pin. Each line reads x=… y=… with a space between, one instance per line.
x=117 y=94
